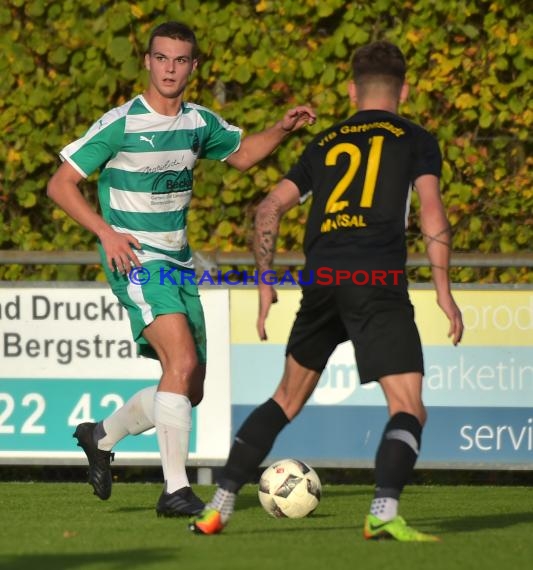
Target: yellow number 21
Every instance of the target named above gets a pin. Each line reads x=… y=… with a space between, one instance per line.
x=334 y=203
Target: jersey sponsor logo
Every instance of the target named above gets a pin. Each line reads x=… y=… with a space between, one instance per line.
x=343 y=221
x=150 y=140
x=163 y=167
x=173 y=181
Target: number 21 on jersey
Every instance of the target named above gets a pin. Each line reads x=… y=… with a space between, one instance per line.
x=335 y=203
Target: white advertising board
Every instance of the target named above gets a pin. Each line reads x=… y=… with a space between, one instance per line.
x=67 y=356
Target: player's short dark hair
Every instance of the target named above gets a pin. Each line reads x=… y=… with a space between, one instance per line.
x=176 y=31
x=380 y=60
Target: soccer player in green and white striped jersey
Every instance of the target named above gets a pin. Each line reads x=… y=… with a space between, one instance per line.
x=145 y=151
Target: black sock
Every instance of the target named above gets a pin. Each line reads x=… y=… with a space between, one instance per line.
x=252 y=443
x=397 y=454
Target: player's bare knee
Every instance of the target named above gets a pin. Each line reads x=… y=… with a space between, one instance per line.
x=182 y=365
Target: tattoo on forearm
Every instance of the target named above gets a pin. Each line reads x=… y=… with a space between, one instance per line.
x=442 y=237
x=267 y=225
x=266 y=243
x=433 y=266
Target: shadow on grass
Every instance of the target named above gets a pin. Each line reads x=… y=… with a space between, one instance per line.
x=295 y=526
x=473 y=523
x=244 y=502
x=130 y=559
x=250 y=500
x=440 y=527
x=134 y=510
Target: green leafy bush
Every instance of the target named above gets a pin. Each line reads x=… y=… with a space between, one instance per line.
x=471 y=72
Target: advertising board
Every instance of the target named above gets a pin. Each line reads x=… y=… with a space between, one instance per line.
x=67 y=356
x=479 y=394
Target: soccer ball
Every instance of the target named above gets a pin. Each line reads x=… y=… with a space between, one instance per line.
x=289 y=488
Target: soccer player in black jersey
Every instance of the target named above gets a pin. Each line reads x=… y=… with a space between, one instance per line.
x=360 y=173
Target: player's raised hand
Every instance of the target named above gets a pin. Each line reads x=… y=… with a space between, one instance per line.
x=119 y=251
x=297 y=117
x=267 y=296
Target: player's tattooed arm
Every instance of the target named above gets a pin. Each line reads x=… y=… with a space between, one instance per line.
x=267 y=219
x=438 y=239
x=267 y=222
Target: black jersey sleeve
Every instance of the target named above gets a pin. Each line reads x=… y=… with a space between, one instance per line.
x=428 y=158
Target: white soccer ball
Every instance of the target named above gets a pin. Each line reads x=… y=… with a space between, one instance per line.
x=289 y=488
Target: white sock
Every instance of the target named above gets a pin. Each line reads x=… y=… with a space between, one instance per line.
x=385 y=508
x=173 y=423
x=224 y=502
x=134 y=417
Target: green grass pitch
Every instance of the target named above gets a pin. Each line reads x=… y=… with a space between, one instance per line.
x=62 y=526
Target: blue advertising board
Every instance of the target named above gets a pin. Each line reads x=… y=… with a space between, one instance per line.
x=479 y=394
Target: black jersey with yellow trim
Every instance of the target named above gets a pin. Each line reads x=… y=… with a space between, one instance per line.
x=360 y=173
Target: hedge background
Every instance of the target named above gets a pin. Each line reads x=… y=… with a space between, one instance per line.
x=65 y=63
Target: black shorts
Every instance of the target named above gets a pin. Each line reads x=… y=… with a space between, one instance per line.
x=379 y=322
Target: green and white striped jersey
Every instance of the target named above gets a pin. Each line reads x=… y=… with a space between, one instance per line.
x=146 y=163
